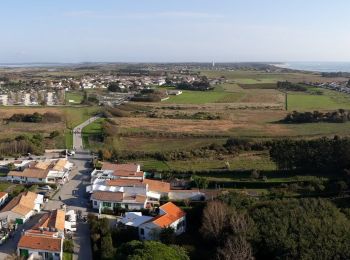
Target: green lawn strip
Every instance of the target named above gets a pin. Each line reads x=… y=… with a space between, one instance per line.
x=69 y=139
x=67 y=256
x=93 y=129
x=5 y=185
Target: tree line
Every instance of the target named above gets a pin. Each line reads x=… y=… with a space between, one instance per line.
x=339 y=116
x=36 y=117
x=324 y=154
x=289 y=86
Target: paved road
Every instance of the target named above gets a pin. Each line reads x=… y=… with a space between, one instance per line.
x=10 y=246
x=77 y=133
x=73 y=195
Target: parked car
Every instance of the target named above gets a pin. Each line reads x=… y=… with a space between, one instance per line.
x=46 y=187
x=70 y=153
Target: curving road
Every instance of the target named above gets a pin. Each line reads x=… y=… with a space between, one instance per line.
x=77 y=133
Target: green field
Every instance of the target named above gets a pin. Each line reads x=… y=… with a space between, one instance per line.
x=244 y=161
x=76 y=97
x=74 y=117
x=201 y=97
x=93 y=129
x=329 y=100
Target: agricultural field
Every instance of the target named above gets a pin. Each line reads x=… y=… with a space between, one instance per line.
x=199 y=97
x=330 y=100
x=257 y=77
x=71 y=117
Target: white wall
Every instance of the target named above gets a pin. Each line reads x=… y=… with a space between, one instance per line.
x=132 y=206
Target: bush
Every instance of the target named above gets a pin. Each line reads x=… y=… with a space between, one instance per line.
x=68 y=246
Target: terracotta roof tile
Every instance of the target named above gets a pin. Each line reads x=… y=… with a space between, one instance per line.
x=129 y=167
x=22 y=204
x=172 y=213
x=30 y=173
x=40 y=242
x=54 y=219
x=3 y=194
x=107 y=196
x=60 y=164
x=125 y=183
x=157 y=186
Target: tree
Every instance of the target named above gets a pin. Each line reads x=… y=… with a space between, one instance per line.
x=219 y=220
x=150 y=250
x=54 y=134
x=237 y=248
x=200 y=182
x=167 y=235
x=68 y=246
x=300 y=229
x=11 y=166
x=107 y=249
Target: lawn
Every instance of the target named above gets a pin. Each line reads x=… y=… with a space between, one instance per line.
x=67 y=256
x=93 y=129
x=153 y=144
x=74 y=117
x=202 y=97
x=4 y=185
x=74 y=97
x=244 y=161
x=329 y=100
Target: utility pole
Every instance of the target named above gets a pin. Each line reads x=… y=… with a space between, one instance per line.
x=286 y=100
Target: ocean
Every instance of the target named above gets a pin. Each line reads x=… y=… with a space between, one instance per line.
x=317 y=66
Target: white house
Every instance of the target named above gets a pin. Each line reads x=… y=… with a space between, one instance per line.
x=3 y=197
x=110 y=200
x=3 y=100
x=40 y=246
x=52 y=171
x=22 y=207
x=169 y=216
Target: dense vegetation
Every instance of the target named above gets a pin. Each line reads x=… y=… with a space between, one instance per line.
x=36 y=117
x=22 y=145
x=108 y=244
x=202 y=85
x=312 y=155
x=286 y=85
x=150 y=95
x=340 y=116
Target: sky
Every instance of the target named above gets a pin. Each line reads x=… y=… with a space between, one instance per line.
x=174 y=30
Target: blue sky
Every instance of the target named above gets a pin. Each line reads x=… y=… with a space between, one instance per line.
x=181 y=30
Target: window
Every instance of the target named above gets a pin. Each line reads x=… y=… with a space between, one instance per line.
x=95 y=202
x=40 y=179
x=117 y=205
x=126 y=206
x=107 y=204
x=142 y=231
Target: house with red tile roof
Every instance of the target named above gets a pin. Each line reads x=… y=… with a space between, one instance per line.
x=169 y=215
x=50 y=171
x=110 y=200
x=22 y=207
x=41 y=245
x=45 y=239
